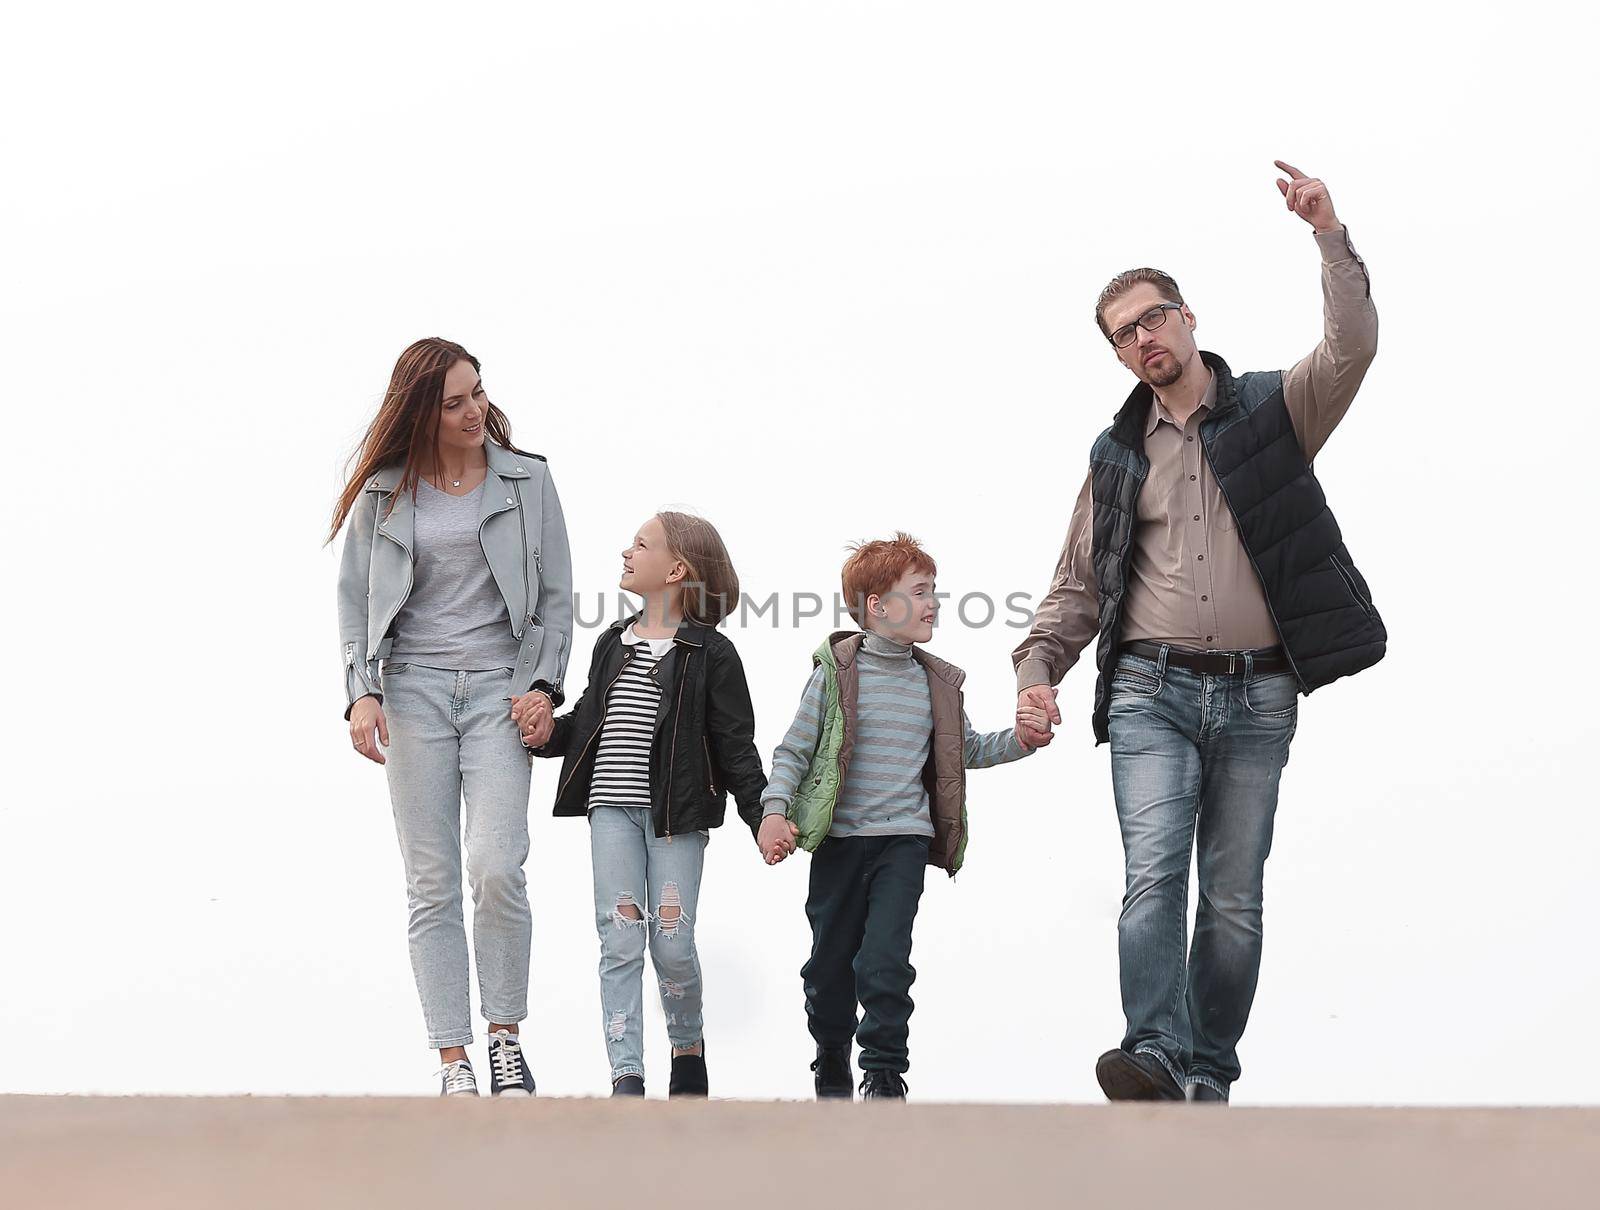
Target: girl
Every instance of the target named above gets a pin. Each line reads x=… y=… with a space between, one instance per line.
x=456 y=575
x=663 y=732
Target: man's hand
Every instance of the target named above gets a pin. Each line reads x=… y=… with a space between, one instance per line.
x=776 y=838
x=1036 y=703
x=1308 y=197
x=535 y=717
x=1032 y=722
x=366 y=717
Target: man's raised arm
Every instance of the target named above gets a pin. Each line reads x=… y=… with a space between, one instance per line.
x=1319 y=390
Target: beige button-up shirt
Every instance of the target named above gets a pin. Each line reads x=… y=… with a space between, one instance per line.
x=1190 y=581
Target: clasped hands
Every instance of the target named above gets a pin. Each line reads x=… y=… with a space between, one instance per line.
x=535 y=717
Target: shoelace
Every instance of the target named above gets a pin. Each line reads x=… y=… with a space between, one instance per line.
x=458 y=1077
x=506 y=1058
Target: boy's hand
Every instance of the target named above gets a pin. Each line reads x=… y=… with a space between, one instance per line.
x=776 y=838
x=1043 y=699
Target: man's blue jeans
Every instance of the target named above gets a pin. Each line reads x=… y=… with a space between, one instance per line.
x=1195 y=764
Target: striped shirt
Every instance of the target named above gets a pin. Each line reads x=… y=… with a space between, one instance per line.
x=622 y=760
x=883 y=793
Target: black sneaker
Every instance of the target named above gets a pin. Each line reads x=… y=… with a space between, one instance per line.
x=689 y=1076
x=1141 y=1077
x=456 y=1080
x=834 y=1078
x=628 y=1086
x=882 y=1085
x=508 y=1073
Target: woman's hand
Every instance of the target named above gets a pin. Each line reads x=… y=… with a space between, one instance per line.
x=776 y=838
x=535 y=717
x=366 y=716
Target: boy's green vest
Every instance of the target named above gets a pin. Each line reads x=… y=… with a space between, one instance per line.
x=946 y=772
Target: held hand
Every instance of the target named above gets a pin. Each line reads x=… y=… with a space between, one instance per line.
x=366 y=716
x=537 y=734
x=776 y=838
x=1040 y=698
x=1032 y=723
x=1308 y=197
x=534 y=716
x=525 y=709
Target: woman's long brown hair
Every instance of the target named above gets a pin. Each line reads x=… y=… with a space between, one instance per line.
x=406 y=428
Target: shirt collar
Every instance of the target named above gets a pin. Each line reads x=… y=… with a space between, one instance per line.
x=1158 y=411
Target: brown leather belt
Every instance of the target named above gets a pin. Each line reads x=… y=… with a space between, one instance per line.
x=1212 y=663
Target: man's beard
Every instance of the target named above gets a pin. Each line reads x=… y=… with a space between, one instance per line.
x=1164 y=378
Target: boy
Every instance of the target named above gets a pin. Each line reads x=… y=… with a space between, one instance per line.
x=871 y=779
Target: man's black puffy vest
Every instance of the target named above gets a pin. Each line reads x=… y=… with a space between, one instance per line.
x=1318 y=600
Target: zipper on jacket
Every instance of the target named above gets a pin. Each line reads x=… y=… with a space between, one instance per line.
x=524 y=560
x=672 y=760
x=1350 y=583
x=527 y=592
x=411 y=580
x=604 y=701
x=710 y=776
x=1255 y=567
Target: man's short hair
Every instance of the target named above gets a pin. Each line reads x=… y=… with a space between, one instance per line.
x=1127 y=280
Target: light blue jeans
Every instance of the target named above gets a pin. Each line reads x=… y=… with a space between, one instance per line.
x=633 y=868
x=1195 y=766
x=451 y=738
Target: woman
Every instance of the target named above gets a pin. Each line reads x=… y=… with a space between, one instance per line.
x=456 y=576
x=661 y=735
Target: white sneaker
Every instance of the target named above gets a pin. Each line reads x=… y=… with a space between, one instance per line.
x=456 y=1080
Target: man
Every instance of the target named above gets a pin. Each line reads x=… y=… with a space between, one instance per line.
x=1202 y=553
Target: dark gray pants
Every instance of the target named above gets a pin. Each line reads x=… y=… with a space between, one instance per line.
x=864 y=896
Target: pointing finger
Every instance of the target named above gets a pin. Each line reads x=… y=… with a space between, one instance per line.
x=1293 y=172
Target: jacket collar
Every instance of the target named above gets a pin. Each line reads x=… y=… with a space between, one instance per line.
x=845 y=644
x=689 y=632
x=1134 y=418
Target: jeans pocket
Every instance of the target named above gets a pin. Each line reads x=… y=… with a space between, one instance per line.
x=393 y=668
x=1138 y=679
x=1274 y=696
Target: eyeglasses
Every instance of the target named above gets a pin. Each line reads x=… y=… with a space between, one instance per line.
x=1149 y=321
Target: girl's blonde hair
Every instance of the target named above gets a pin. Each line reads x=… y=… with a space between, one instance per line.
x=711 y=587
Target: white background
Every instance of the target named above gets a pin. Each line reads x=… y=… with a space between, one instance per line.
x=818 y=271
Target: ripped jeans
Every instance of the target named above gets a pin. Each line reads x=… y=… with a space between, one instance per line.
x=646 y=891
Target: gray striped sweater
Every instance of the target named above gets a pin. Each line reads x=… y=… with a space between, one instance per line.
x=882 y=794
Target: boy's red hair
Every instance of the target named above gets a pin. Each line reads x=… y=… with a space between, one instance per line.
x=873 y=567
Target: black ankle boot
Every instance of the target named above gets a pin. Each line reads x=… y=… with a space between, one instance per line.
x=628 y=1086
x=689 y=1075
x=832 y=1068
x=883 y=1085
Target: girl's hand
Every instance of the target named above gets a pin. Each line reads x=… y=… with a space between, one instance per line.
x=366 y=716
x=537 y=734
x=776 y=838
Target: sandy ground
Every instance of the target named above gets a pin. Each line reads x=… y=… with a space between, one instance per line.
x=174 y=1153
